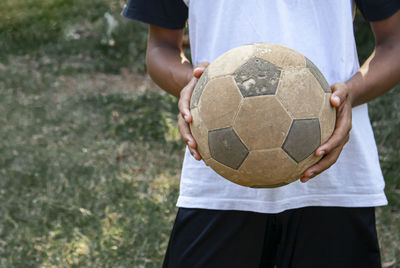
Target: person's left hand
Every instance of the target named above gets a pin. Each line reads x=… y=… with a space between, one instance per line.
x=332 y=148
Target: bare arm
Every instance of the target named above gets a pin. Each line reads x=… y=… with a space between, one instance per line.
x=381 y=71
x=166 y=63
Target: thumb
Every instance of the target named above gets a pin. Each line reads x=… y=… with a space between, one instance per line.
x=339 y=94
x=199 y=69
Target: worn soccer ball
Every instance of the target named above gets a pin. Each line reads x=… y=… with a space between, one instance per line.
x=259 y=113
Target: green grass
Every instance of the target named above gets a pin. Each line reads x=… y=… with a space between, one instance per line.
x=385 y=117
x=76 y=190
x=89 y=151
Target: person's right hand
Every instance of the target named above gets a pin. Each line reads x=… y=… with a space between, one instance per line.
x=184 y=117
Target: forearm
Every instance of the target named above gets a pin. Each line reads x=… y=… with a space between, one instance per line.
x=168 y=67
x=381 y=71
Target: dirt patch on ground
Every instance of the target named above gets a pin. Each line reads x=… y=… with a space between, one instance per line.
x=126 y=82
x=85 y=82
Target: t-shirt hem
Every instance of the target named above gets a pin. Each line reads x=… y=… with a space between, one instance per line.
x=371 y=200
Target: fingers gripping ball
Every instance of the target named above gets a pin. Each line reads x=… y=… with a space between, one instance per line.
x=259 y=112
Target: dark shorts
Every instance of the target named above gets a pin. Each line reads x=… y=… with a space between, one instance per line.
x=306 y=237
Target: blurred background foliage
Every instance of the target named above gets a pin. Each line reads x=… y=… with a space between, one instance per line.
x=89 y=151
x=89 y=32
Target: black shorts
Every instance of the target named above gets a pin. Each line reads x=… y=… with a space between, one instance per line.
x=306 y=237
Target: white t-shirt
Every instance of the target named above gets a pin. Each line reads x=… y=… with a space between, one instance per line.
x=323 y=32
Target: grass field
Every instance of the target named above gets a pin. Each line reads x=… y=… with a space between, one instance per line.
x=89 y=151
x=74 y=188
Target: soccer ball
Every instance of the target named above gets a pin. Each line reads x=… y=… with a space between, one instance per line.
x=259 y=112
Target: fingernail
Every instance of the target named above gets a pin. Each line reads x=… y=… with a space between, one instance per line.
x=304 y=179
x=336 y=99
x=321 y=152
x=186 y=117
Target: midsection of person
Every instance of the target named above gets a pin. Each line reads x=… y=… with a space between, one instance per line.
x=323 y=32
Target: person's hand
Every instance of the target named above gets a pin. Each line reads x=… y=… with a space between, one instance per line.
x=184 y=117
x=332 y=148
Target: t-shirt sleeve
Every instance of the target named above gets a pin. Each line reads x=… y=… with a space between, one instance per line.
x=171 y=14
x=374 y=10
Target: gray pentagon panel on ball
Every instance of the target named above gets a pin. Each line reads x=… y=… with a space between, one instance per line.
x=303 y=138
x=194 y=101
x=226 y=147
x=318 y=75
x=257 y=77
